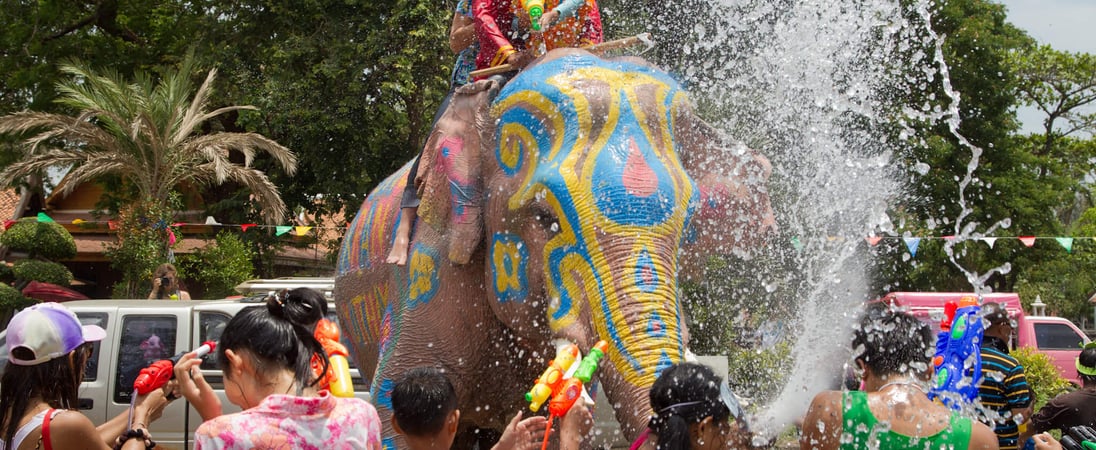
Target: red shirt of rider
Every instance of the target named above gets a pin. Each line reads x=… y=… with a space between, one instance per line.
x=502 y=29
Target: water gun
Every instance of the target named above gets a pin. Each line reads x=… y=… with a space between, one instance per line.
x=337 y=378
x=1079 y=438
x=160 y=372
x=573 y=387
x=551 y=381
x=535 y=8
x=958 y=353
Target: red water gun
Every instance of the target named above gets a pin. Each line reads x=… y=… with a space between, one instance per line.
x=160 y=372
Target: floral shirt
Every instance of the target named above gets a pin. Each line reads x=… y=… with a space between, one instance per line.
x=289 y=422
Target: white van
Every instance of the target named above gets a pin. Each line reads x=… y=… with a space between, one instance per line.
x=140 y=332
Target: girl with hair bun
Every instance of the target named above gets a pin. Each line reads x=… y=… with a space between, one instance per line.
x=694 y=409
x=265 y=353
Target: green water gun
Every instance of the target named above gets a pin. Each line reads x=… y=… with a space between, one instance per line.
x=535 y=8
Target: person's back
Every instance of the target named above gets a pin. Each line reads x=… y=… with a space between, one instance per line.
x=1004 y=390
x=893 y=411
x=1074 y=408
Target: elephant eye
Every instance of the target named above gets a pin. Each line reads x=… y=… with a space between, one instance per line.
x=545 y=218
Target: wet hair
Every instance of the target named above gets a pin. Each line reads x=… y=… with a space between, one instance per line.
x=422 y=400
x=682 y=395
x=279 y=335
x=892 y=342
x=57 y=382
x=1087 y=358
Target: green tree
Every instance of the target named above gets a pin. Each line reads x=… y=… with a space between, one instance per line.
x=1061 y=85
x=148 y=132
x=221 y=266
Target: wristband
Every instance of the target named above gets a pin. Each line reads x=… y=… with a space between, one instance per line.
x=135 y=433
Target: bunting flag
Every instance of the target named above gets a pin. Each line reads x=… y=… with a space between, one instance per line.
x=873 y=240
x=912 y=243
x=798 y=246
x=245 y=226
x=949 y=238
x=78 y=221
x=301 y=231
x=1027 y=240
x=211 y=221
x=1066 y=242
x=281 y=229
x=989 y=241
x=112 y=225
x=42 y=217
x=8 y=224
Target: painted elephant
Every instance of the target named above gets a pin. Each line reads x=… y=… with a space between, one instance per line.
x=563 y=205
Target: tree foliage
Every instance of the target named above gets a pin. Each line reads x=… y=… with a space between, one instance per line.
x=47 y=240
x=220 y=266
x=42 y=271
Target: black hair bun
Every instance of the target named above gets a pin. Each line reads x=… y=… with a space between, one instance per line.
x=301 y=306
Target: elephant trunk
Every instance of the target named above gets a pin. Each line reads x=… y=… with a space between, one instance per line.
x=649 y=340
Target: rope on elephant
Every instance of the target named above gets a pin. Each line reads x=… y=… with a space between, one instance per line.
x=598 y=49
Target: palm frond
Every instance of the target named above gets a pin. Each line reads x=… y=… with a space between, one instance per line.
x=266 y=195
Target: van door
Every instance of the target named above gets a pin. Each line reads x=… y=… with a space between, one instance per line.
x=146 y=337
x=93 y=391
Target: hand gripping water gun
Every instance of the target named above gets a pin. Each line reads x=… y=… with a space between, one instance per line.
x=160 y=372
x=958 y=353
x=535 y=8
x=1079 y=438
x=570 y=383
x=337 y=378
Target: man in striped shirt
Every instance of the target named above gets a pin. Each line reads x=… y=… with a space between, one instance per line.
x=1004 y=387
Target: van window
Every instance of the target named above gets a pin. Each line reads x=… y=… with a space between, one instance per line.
x=1056 y=336
x=210 y=327
x=100 y=319
x=145 y=340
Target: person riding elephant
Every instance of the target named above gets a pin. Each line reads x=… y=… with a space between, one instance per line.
x=562 y=206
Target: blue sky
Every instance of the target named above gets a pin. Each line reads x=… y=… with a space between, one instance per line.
x=1064 y=24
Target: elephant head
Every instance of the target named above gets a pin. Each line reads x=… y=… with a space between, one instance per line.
x=586 y=179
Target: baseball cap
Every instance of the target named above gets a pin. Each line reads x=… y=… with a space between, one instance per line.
x=995 y=313
x=47 y=330
x=1086 y=351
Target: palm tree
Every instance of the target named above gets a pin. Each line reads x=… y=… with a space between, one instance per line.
x=148 y=132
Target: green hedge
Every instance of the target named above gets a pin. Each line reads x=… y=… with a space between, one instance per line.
x=1041 y=374
x=48 y=240
x=43 y=271
x=13 y=300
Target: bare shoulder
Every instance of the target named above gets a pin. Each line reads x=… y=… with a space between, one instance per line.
x=70 y=429
x=822 y=424
x=982 y=437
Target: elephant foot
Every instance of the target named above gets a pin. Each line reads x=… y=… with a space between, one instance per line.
x=398 y=254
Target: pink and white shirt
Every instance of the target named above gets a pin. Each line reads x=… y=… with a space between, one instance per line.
x=290 y=422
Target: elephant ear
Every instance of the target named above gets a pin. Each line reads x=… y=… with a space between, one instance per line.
x=734 y=212
x=450 y=176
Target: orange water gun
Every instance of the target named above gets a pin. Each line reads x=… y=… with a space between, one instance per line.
x=551 y=381
x=337 y=378
x=571 y=388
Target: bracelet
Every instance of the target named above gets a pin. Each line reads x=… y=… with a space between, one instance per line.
x=135 y=433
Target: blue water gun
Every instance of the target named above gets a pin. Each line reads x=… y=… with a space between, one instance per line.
x=958 y=359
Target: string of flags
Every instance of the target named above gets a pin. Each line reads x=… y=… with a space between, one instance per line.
x=912 y=243
x=279 y=230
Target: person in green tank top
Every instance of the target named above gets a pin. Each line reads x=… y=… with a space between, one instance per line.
x=893 y=351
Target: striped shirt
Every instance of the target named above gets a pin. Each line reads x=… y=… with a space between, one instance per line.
x=1004 y=388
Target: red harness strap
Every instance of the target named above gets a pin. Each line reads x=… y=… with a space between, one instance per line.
x=45 y=429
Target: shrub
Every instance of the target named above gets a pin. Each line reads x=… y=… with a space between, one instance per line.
x=11 y=300
x=43 y=271
x=47 y=240
x=759 y=374
x=1041 y=374
x=220 y=266
x=6 y=274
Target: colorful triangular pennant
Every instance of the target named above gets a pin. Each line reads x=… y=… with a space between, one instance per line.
x=245 y=226
x=282 y=229
x=1066 y=242
x=301 y=231
x=873 y=240
x=796 y=243
x=42 y=217
x=1027 y=240
x=989 y=241
x=912 y=243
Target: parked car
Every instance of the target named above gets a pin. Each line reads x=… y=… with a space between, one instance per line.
x=1055 y=337
x=140 y=332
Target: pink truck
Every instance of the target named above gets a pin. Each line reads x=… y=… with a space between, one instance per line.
x=1055 y=337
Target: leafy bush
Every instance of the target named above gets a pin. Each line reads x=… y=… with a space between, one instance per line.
x=6 y=274
x=221 y=266
x=12 y=300
x=142 y=232
x=48 y=240
x=759 y=374
x=43 y=271
x=1041 y=374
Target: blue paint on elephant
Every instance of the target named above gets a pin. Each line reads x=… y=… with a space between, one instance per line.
x=639 y=191
x=656 y=327
x=389 y=443
x=664 y=363
x=646 y=272
x=384 y=393
x=508 y=260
